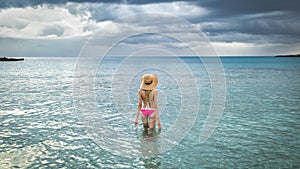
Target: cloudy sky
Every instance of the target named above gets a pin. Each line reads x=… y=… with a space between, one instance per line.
x=30 y=28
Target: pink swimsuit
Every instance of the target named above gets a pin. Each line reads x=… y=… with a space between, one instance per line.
x=147 y=112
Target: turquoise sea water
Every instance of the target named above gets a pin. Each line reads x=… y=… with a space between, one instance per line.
x=259 y=128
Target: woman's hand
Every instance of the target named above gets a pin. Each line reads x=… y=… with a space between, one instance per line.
x=136 y=123
x=159 y=125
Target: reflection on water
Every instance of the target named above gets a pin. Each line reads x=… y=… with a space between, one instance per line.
x=149 y=142
x=152 y=162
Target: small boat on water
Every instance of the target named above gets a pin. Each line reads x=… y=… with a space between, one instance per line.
x=11 y=59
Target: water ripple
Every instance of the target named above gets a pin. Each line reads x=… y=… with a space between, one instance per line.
x=259 y=128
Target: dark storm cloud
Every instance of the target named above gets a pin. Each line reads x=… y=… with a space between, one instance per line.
x=219 y=8
x=263 y=25
x=231 y=8
x=276 y=19
x=25 y=3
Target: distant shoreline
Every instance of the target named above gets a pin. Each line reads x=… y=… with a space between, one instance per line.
x=296 y=55
x=11 y=59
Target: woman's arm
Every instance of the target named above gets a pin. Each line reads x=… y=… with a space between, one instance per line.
x=156 y=108
x=138 y=110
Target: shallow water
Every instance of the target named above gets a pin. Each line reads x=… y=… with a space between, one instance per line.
x=40 y=126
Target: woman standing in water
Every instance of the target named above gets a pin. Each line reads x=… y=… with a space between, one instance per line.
x=148 y=108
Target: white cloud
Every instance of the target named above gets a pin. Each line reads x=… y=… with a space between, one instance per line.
x=44 y=22
x=180 y=9
x=150 y=31
x=77 y=20
x=103 y=11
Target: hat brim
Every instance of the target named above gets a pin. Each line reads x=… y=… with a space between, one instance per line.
x=151 y=86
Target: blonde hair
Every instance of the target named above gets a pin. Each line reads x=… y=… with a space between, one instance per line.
x=147 y=94
x=147 y=97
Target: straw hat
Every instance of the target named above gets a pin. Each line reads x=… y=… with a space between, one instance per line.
x=149 y=81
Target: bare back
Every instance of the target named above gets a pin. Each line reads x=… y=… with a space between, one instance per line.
x=151 y=98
